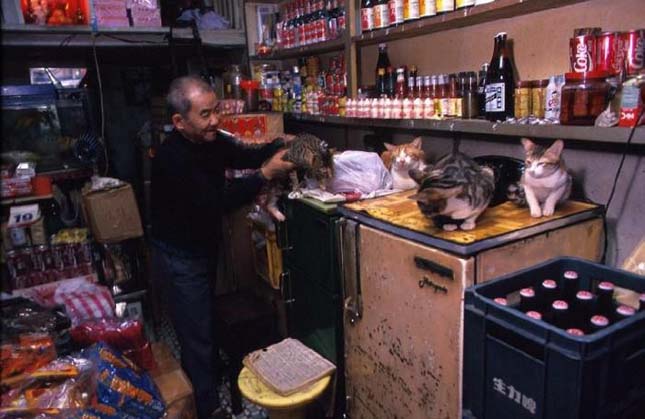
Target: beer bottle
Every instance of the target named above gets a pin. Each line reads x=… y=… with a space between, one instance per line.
x=500 y=83
x=390 y=80
x=548 y=293
x=528 y=300
x=597 y=323
x=481 y=89
x=382 y=64
x=501 y=301
x=583 y=307
x=605 y=293
x=536 y=315
x=569 y=285
x=575 y=331
x=623 y=312
x=560 y=314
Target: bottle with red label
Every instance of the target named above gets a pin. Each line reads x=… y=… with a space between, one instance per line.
x=396 y=12
x=367 y=15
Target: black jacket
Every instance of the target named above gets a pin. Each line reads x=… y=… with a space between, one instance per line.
x=190 y=193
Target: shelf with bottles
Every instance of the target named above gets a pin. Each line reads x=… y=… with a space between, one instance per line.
x=442 y=16
x=488 y=129
x=333 y=45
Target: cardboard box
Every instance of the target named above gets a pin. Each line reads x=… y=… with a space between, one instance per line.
x=113 y=214
x=253 y=125
x=174 y=386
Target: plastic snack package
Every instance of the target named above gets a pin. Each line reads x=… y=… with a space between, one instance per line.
x=65 y=383
x=124 y=335
x=359 y=171
x=123 y=385
x=30 y=352
x=84 y=300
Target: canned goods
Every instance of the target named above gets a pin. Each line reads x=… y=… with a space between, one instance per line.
x=582 y=53
x=609 y=56
x=633 y=47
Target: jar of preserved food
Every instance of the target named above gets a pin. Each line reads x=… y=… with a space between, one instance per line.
x=523 y=99
x=538 y=97
x=584 y=97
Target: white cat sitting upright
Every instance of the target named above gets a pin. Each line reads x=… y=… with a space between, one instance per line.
x=546 y=182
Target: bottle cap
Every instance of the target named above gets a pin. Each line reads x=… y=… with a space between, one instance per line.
x=549 y=283
x=584 y=295
x=534 y=315
x=606 y=286
x=598 y=320
x=382 y=45
x=501 y=301
x=575 y=332
x=560 y=305
x=570 y=275
x=625 y=311
x=527 y=292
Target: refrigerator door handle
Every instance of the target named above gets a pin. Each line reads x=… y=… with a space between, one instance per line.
x=434 y=267
x=347 y=236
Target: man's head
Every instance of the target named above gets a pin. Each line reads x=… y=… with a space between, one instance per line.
x=194 y=108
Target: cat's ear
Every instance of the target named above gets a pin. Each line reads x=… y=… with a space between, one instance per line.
x=555 y=149
x=417 y=143
x=418 y=175
x=389 y=146
x=528 y=145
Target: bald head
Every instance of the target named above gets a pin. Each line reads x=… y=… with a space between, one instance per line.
x=181 y=91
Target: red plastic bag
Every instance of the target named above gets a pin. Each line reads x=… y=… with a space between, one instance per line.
x=125 y=335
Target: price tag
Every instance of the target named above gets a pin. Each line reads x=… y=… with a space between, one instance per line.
x=23 y=215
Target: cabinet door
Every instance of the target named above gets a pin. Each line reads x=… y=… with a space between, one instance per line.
x=310 y=244
x=315 y=314
x=403 y=331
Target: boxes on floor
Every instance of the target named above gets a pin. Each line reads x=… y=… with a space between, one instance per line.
x=113 y=214
x=174 y=386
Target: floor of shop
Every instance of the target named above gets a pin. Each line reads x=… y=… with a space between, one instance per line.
x=166 y=334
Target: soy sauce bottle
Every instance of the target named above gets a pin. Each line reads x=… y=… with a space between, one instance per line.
x=500 y=83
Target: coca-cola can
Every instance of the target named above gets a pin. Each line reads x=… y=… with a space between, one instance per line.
x=609 y=56
x=633 y=47
x=582 y=52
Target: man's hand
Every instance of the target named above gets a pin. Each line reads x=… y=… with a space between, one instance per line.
x=276 y=167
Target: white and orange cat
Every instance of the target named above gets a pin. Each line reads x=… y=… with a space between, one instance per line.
x=545 y=181
x=400 y=159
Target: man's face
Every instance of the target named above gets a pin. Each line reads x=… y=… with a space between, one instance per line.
x=200 y=124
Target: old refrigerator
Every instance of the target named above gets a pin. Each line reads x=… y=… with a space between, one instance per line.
x=403 y=287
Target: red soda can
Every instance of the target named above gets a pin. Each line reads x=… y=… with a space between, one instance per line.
x=609 y=56
x=633 y=48
x=582 y=52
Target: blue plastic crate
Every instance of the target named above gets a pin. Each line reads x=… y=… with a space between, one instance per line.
x=516 y=367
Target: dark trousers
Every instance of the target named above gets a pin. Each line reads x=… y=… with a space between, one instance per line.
x=187 y=283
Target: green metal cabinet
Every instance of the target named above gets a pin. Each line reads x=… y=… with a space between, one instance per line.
x=311 y=281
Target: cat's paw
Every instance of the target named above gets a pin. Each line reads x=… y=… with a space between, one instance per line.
x=547 y=212
x=450 y=227
x=295 y=195
x=467 y=225
x=536 y=213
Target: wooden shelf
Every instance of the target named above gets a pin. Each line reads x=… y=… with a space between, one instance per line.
x=615 y=135
x=313 y=49
x=499 y=9
x=25 y=199
x=83 y=36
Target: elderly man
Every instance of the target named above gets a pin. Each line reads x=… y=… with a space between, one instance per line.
x=189 y=196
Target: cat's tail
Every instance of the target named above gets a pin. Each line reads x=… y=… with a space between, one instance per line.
x=515 y=194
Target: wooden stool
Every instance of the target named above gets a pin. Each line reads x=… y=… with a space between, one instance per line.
x=280 y=407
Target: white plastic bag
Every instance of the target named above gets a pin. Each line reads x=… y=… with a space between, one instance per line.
x=359 y=171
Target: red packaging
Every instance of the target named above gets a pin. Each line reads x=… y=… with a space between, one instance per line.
x=633 y=47
x=609 y=55
x=582 y=53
